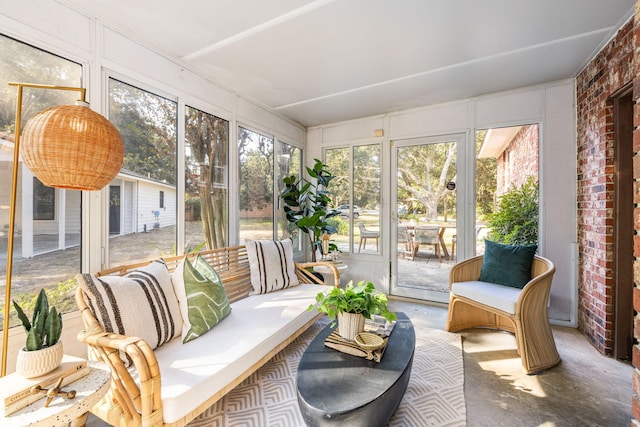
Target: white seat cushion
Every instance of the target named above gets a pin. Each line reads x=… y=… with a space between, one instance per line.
x=497 y=296
x=256 y=325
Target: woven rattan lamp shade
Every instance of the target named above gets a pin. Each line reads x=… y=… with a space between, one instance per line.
x=72 y=146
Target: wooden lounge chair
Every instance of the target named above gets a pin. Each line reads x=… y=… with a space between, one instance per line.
x=521 y=311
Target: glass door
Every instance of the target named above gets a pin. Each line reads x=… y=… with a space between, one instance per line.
x=425 y=201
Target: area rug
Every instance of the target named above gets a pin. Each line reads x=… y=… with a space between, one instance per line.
x=434 y=397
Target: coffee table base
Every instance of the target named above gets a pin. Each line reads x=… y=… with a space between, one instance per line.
x=375 y=413
x=337 y=389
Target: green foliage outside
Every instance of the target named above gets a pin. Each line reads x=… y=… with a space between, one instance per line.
x=515 y=220
x=61 y=295
x=486 y=176
x=362 y=299
x=339 y=224
x=194 y=205
x=147 y=125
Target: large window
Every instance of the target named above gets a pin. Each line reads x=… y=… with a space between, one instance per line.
x=206 y=184
x=47 y=219
x=356 y=194
x=507 y=185
x=140 y=227
x=255 y=152
x=289 y=163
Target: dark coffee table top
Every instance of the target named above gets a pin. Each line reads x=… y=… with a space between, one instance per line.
x=335 y=382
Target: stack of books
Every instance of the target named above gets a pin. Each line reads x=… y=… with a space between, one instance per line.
x=15 y=390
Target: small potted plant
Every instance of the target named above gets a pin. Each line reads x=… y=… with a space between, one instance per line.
x=351 y=306
x=42 y=352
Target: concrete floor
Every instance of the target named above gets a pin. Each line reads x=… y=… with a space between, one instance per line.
x=586 y=389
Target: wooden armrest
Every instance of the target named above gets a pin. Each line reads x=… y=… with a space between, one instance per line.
x=466 y=270
x=536 y=291
x=307 y=274
x=136 y=396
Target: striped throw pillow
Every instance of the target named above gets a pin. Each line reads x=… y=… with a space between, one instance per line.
x=141 y=304
x=271 y=264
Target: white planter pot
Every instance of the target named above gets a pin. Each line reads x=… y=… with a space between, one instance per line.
x=350 y=325
x=32 y=364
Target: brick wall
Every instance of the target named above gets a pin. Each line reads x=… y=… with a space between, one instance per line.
x=519 y=160
x=635 y=403
x=606 y=74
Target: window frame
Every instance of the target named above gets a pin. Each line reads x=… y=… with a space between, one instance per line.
x=352 y=146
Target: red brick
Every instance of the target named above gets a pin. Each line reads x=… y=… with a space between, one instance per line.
x=635 y=357
x=606 y=74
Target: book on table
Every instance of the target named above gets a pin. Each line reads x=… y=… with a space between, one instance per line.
x=15 y=390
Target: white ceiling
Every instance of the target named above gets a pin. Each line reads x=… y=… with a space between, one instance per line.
x=323 y=61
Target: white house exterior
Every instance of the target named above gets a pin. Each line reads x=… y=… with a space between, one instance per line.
x=144 y=204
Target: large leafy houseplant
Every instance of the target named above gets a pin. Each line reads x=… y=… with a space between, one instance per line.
x=307 y=204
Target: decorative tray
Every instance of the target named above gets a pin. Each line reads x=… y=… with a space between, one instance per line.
x=336 y=342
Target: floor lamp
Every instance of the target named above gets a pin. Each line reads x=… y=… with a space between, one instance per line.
x=69 y=146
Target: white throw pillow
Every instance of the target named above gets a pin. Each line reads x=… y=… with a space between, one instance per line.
x=141 y=303
x=272 y=266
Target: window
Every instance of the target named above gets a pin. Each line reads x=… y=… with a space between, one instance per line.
x=255 y=152
x=289 y=163
x=206 y=192
x=42 y=233
x=44 y=201
x=148 y=125
x=507 y=163
x=356 y=193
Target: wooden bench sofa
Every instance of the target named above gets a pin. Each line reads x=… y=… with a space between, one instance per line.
x=174 y=383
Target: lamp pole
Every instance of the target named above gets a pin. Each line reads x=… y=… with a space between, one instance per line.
x=12 y=208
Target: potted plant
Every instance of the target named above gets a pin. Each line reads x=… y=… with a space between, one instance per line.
x=42 y=352
x=351 y=306
x=307 y=205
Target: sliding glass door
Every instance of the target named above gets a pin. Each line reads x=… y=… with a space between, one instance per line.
x=425 y=232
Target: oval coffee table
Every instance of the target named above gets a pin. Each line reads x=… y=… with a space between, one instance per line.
x=335 y=388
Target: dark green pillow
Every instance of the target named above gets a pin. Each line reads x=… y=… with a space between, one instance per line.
x=206 y=299
x=508 y=265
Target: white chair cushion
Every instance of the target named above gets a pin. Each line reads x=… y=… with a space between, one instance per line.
x=497 y=296
x=256 y=325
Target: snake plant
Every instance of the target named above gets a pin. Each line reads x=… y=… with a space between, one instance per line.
x=45 y=327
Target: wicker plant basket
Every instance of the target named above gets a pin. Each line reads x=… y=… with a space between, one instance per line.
x=72 y=146
x=369 y=341
x=350 y=325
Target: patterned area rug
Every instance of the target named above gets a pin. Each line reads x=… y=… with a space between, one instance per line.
x=434 y=397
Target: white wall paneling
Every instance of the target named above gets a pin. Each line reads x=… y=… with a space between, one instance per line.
x=552 y=106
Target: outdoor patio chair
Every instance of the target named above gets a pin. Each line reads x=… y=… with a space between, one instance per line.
x=429 y=236
x=367 y=234
x=406 y=240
